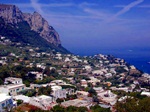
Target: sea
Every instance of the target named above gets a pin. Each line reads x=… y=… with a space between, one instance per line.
x=139 y=57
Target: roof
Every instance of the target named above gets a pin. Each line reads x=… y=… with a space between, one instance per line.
x=43 y=97
x=145 y=93
x=4 y=96
x=23 y=98
x=12 y=86
x=56 y=87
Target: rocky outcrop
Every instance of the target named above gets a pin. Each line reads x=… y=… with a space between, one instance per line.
x=40 y=25
x=12 y=14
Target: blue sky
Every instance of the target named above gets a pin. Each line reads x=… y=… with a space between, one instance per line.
x=88 y=25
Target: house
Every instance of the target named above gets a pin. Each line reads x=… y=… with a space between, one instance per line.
x=84 y=93
x=24 y=98
x=2 y=38
x=38 y=75
x=44 y=102
x=88 y=68
x=146 y=93
x=13 y=80
x=93 y=80
x=84 y=83
x=97 y=72
x=12 y=89
x=107 y=97
x=58 y=92
x=108 y=75
x=58 y=82
x=6 y=102
x=67 y=59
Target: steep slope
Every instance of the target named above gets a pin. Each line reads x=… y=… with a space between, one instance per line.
x=28 y=28
x=40 y=25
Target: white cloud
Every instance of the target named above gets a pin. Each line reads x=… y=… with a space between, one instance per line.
x=125 y=9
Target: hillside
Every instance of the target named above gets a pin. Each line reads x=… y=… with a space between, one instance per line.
x=28 y=29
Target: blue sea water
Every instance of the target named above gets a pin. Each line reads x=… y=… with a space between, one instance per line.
x=139 y=57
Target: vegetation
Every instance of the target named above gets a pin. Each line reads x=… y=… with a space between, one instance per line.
x=23 y=33
x=45 y=90
x=134 y=105
x=97 y=108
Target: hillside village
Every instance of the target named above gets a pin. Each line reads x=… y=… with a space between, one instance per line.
x=30 y=77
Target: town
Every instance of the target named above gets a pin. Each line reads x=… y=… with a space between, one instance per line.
x=34 y=79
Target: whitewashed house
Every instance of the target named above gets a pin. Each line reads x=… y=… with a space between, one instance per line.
x=6 y=102
x=13 y=80
x=58 y=92
x=12 y=89
x=44 y=102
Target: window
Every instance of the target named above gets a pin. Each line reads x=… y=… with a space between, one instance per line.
x=3 y=105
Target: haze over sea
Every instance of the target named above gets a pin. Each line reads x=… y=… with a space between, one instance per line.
x=140 y=57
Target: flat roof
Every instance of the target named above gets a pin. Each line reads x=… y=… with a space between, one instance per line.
x=12 y=86
x=3 y=97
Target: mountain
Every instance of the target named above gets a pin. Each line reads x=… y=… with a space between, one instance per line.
x=28 y=28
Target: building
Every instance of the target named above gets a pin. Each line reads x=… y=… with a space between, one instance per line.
x=44 y=102
x=58 y=82
x=58 y=92
x=93 y=80
x=107 y=97
x=24 y=98
x=146 y=93
x=13 y=80
x=12 y=89
x=84 y=83
x=78 y=103
x=38 y=75
x=97 y=72
x=6 y=102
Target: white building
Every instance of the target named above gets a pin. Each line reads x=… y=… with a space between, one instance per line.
x=107 y=97
x=58 y=82
x=44 y=102
x=84 y=83
x=12 y=89
x=13 y=80
x=88 y=68
x=6 y=102
x=146 y=93
x=97 y=72
x=67 y=59
x=58 y=92
x=108 y=75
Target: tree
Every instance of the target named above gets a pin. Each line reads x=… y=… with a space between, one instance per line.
x=134 y=105
x=71 y=109
x=45 y=90
x=92 y=92
x=59 y=100
x=82 y=109
x=58 y=108
x=97 y=108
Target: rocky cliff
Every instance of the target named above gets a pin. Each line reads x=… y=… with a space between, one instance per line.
x=12 y=15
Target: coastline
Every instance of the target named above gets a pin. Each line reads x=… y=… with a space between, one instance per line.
x=139 y=58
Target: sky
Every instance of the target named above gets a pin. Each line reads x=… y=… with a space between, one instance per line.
x=94 y=25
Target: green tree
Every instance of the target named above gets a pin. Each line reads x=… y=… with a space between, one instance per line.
x=97 y=108
x=58 y=108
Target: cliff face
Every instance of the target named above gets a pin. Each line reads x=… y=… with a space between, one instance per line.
x=12 y=15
